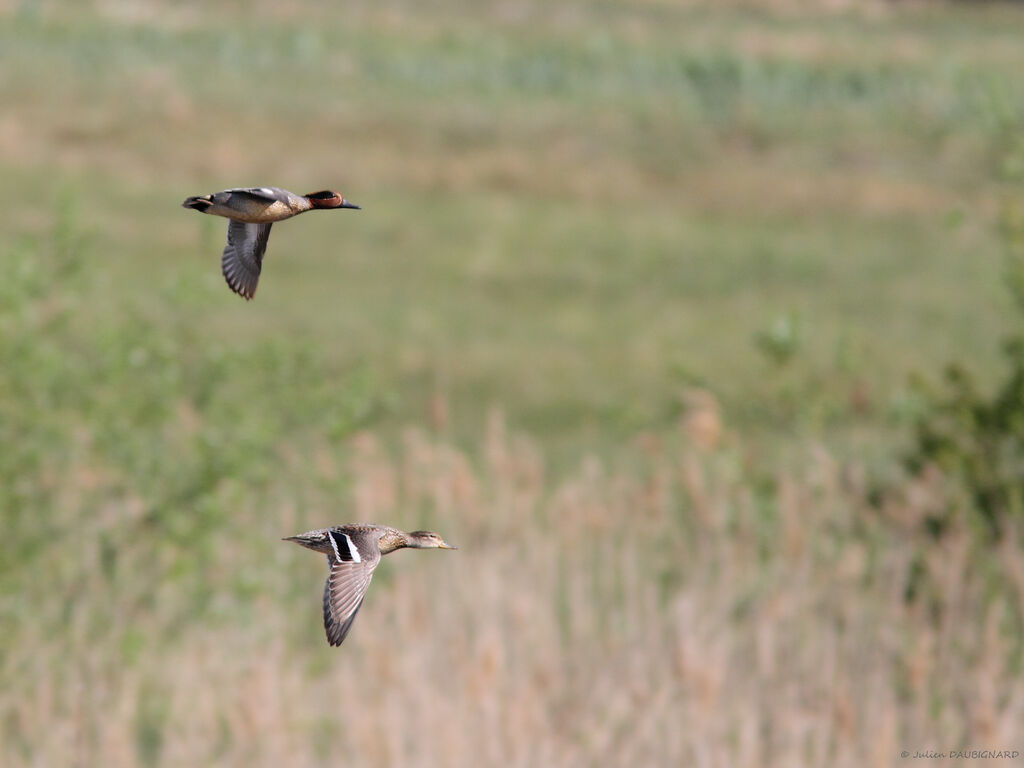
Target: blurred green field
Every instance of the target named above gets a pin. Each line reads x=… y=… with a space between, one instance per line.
x=567 y=214
x=630 y=278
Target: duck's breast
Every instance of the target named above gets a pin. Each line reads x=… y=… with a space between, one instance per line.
x=253 y=209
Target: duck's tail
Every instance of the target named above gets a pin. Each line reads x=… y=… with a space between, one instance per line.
x=200 y=203
x=316 y=540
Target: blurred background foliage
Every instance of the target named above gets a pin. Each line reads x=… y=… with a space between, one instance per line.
x=654 y=298
x=976 y=434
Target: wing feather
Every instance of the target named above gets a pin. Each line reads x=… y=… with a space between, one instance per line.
x=262 y=193
x=344 y=591
x=336 y=631
x=242 y=259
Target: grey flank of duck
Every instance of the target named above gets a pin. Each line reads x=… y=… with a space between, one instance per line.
x=251 y=212
x=353 y=552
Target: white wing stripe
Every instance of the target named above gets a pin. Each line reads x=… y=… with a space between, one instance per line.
x=352 y=549
x=334 y=544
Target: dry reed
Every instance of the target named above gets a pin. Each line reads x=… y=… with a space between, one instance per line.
x=662 y=612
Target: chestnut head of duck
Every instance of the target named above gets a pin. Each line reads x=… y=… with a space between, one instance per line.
x=329 y=199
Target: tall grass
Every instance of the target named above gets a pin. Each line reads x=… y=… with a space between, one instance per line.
x=679 y=603
x=690 y=252
x=661 y=613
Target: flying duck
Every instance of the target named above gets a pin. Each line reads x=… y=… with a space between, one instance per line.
x=353 y=552
x=252 y=211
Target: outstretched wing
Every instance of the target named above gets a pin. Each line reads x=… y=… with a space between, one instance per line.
x=337 y=630
x=242 y=259
x=352 y=568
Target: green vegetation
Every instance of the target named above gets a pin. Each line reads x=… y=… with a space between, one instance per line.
x=629 y=315
x=558 y=214
x=972 y=435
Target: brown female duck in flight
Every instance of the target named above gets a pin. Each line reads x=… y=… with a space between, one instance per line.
x=353 y=552
x=251 y=212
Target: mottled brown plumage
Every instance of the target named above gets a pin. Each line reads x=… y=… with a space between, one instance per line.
x=353 y=552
